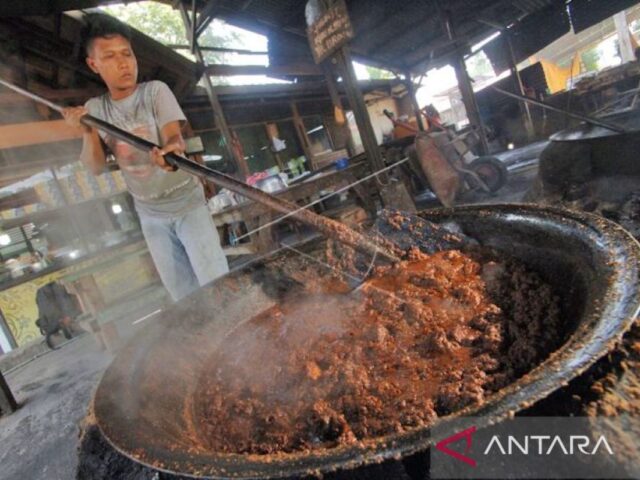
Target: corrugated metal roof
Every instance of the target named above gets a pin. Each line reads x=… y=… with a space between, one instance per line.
x=586 y=13
x=530 y=6
x=401 y=35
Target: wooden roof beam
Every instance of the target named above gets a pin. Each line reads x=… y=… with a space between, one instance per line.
x=42 y=43
x=263 y=27
x=275 y=70
x=240 y=51
x=208 y=13
x=48 y=7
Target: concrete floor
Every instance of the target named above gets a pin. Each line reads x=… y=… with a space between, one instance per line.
x=39 y=441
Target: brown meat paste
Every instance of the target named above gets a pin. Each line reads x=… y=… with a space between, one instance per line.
x=421 y=339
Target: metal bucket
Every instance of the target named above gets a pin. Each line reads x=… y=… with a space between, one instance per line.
x=142 y=403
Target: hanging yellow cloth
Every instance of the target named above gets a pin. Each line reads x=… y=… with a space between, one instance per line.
x=558 y=77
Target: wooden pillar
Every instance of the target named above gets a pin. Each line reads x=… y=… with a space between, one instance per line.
x=272 y=132
x=220 y=120
x=414 y=100
x=470 y=103
x=8 y=402
x=4 y=328
x=334 y=95
x=301 y=131
x=338 y=111
x=26 y=239
x=624 y=37
x=356 y=100
x=221 y=123
x=517 y=78
x=210 y=188
x=466 y=89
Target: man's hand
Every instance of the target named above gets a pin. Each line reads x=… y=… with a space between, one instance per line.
x=157 y=155
x=72 y=116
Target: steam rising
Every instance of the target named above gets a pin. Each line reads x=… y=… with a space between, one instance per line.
x=257 y=353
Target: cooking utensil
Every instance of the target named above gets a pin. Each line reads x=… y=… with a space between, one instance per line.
x=629 y=119
x=329 y=227
x=271 y=184
x=142 y=403
x=585 y=118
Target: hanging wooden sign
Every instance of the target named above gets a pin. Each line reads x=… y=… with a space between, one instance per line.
x=330 y=32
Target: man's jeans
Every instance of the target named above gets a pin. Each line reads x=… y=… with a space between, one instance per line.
x=185 y=249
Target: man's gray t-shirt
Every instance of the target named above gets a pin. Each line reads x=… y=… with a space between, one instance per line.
x=144 y=113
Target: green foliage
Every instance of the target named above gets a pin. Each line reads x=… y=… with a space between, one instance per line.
x=156 y=20
x=478 y=65
x=379 y=74
x=164 y=24
x=590 y=60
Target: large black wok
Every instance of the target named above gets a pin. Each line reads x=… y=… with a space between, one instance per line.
x=579 y=155
x=142 y=404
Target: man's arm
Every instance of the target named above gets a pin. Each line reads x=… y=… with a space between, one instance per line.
x=92 y=154
x=172 y=141
x=168 y=116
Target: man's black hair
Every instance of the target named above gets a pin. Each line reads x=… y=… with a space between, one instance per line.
x=100 y=25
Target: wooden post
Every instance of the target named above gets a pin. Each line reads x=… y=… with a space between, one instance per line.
x=517 y=78
x=210 y=188
x=8 y=402
x=272 y=132
x=301 y=131
x=338 y=111
x=624 y=37
x=4 y=327
x=334 y=95
x=329 y=32
x=220 y=120
x=194 y=38
x=414 y=100
x=361 y=114
x=470 y=103
x=466 y=89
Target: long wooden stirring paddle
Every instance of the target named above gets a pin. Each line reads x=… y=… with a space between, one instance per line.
x=327 y=226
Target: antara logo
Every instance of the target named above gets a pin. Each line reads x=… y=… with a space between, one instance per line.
x=546 y=445
x=466 y=434
x=525 y=445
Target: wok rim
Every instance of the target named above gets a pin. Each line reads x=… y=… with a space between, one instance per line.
x=548 y=376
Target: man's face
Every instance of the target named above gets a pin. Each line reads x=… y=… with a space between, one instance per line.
x=113 y=59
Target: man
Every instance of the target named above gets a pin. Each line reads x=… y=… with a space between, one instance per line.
x=176 y=224
x=57 y=309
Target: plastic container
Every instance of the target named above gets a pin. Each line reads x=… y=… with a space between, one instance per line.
x=342 y=163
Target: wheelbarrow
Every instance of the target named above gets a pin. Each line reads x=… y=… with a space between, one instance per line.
x=447 y=161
